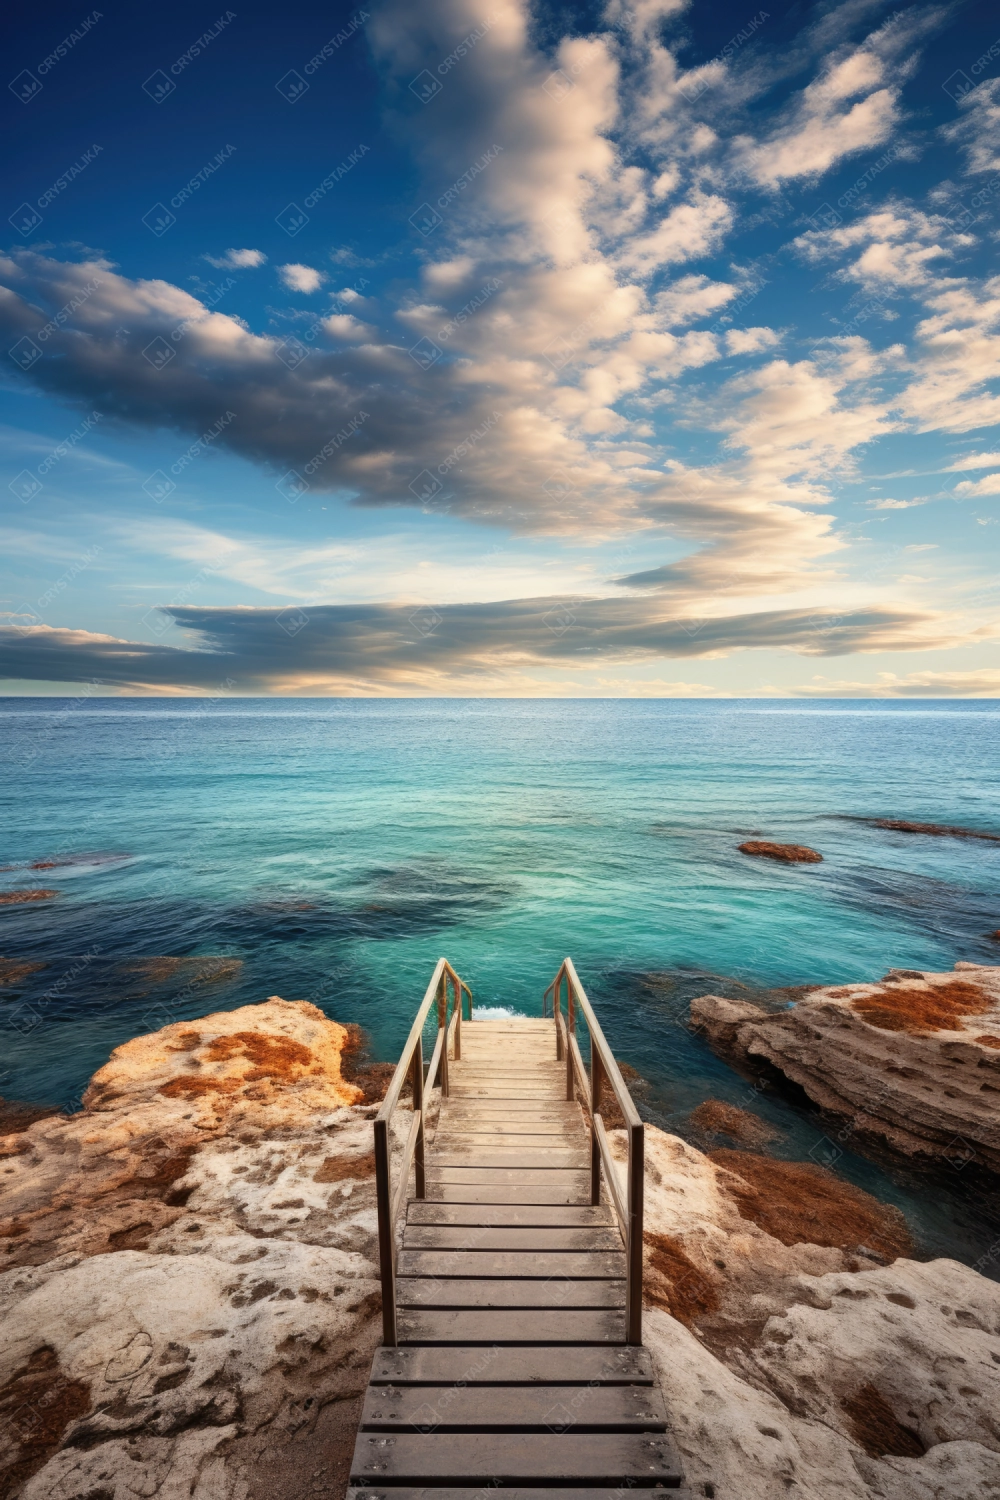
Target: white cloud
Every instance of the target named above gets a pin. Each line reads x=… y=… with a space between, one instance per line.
x=978 y=128
x=237 y=260
x=981 y=682
x=823 y=126
x=299 y=278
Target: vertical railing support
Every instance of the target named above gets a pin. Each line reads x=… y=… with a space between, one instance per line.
x=443 y=1026
x=417 y=1085
x=386 y=1232
x=633 y=1270
x=556 y=1015
x=570 y=1028
x=596 y=1081
x=457 y=989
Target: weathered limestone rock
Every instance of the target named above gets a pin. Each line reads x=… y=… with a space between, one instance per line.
x=913 y=1059
x=191 y=1299
x=789 y=1370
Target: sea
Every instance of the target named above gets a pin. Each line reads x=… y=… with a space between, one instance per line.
x=206 y=854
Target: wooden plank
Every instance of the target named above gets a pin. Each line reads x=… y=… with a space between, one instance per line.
x=460 y=1090
x=475 y=1261
x=512 y=1492
x=509 y=1216
x=465 y=1125
x=471 y=1457
x=477 y=1192
x=557 y=1109
x=559 y=1137
x=514 y=1238
x=524 y=1408
x=508 y=1176
x=482 y=1292
x=501 y=1326
x=444 y=1365
x=572 y=1158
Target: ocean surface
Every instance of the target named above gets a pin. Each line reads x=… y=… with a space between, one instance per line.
x=331 y=850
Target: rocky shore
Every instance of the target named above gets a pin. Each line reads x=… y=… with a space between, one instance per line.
x=913 y=1060
x=190 y=1299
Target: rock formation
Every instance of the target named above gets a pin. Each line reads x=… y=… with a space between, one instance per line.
x=190 y=1274
x=190 y=1299
x=792 y=1368
x=788 y=854
x=913 y=1059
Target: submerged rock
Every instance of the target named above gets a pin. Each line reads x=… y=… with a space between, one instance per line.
x=936 y=830
x=789 y=854
x=19 y=898
x=913 y=1059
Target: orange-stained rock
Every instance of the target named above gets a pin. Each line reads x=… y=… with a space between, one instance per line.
x=789 y=854
x=913 y=1059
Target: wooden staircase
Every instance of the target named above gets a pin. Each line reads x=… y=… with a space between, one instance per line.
x=512 y=1353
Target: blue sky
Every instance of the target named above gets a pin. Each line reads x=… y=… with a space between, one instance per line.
x=460 y=348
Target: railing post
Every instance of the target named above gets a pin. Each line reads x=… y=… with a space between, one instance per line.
x=417 y=1084
x=457 y=987
x=633 y=1275
x=443 y=1024
x=556 y=1013
x=386 y=1232
x=596 y=1081
x=570 y=1028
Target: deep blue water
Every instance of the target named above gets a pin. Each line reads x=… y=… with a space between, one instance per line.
x=337 y=847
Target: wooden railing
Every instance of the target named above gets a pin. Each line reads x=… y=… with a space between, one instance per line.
x=411 y=1066
x=603 y=1068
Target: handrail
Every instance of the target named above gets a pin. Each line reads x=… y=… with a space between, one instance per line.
x=603 y=1068
x=411 y=1065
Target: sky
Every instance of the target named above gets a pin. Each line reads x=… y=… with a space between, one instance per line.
x=478 y=348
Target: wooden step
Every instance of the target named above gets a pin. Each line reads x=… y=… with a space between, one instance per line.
x=624 y=1365
x=501 y=1176
x=474 y=1457
x=511 y=1237
x=515 y=1158
x=478 y=1261
x=501 y=1326
x=468 y=1124
x=512 y=1492
x=525 y=1408
x=509 y=1193
x=556 y=1292
x=510 y=1216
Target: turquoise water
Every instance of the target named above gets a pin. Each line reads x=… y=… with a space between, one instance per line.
x=337 y=847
